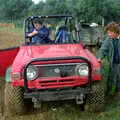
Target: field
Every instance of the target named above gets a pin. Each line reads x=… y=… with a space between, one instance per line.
x=66 y=110
x=10 y=37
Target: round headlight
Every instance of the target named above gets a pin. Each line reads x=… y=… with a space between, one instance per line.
x=32 y=73
x=82 y=70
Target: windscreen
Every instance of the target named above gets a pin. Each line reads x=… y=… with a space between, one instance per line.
x=52 y=31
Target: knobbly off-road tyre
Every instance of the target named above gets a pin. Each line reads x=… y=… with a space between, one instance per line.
x=95 y=100
x=14 y=102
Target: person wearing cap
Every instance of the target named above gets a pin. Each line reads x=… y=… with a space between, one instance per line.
x=39 y=33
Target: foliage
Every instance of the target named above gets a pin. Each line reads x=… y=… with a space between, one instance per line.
x=113 y=10
x=14 y=9
x=87 y=10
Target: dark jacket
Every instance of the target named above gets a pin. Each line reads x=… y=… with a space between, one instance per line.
x=107 y=49
x=42 y=36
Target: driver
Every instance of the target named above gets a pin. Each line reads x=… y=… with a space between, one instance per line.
x=38 y=34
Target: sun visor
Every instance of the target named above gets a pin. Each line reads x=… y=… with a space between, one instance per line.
x=6 y=58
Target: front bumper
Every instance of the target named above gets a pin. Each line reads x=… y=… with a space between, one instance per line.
x=58 y=94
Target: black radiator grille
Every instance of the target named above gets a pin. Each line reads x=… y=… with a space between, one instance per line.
x=56 y=70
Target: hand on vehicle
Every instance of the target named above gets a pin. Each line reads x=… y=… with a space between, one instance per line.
x=99 y=60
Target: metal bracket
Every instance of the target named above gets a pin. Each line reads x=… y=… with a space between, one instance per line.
x=37 y=102
x=80 y=99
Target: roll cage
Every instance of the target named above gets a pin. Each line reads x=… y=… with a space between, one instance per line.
x=68 y=30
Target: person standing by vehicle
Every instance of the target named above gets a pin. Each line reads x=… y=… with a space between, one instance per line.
x=111 y=49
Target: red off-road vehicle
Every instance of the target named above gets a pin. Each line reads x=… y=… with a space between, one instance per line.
x=61 y=69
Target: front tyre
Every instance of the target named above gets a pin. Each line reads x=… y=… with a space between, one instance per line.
x=14 y=102
x=95 y=100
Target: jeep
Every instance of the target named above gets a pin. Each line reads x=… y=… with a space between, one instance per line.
x=61 y=69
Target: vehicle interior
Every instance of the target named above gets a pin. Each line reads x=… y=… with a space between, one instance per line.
x=62 y=29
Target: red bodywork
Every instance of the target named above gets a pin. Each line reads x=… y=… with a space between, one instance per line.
x=27 y=53
x=7 y=57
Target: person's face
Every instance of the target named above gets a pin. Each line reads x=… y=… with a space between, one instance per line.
x=112 y=34
x=37 y=26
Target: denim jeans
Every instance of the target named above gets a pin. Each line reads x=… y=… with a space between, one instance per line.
x=113 y=77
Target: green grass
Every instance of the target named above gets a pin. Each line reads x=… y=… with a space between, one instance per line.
x=69 y=111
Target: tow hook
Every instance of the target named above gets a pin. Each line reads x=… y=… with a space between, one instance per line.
x=37 y=102
x=80 y=99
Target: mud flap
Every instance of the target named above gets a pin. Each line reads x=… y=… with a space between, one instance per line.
x=6 y=59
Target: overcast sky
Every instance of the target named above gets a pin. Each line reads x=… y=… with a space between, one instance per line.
x=37 y=1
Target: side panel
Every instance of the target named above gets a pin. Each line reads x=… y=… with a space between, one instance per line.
x=6 y=59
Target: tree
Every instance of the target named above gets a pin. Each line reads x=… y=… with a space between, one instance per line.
x=87 y=10
x=15 y=9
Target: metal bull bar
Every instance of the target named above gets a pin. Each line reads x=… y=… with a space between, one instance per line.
x=57 y=58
